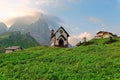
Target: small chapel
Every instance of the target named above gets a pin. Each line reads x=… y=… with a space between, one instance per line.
x=59 y=38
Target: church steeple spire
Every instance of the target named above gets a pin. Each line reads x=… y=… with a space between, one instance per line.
x=52 y=33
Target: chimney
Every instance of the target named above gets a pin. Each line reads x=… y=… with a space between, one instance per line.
x=52 y=33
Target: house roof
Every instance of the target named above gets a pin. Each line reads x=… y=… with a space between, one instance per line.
x=104 y=32
x=13 y=48
x=64 y=30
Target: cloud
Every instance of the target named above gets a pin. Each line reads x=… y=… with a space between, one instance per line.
x=25 y=19
x=19 y=13
x=98 y=21
x=46 y=2
x=13 y=8
x=50 y=3
x=75 y=39
x=104 y=25
x=1 y=20
x=19 y=8
x=101 y=22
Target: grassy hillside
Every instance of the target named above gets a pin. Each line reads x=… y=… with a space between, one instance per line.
x=97 y=61
x=16 y=39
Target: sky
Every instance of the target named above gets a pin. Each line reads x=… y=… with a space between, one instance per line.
x=82 y=18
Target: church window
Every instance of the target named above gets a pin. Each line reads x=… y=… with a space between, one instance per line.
x=61 y=31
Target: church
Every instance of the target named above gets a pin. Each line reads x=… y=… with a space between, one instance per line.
x=59 y=38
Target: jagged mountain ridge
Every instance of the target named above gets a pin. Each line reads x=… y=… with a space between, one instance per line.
x=3 y=28
x=16 y=39
x=39 y=29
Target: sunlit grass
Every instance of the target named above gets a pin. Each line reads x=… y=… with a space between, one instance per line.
x=92 y=62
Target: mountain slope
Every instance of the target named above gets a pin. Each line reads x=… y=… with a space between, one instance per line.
x=93 y=62
x=3 y=28
x=16 y=39
x=40 y=31
x=39 y=26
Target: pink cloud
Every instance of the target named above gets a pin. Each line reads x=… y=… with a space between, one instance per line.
x=75 y=39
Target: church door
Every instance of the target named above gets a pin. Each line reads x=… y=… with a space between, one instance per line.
x=61 y=43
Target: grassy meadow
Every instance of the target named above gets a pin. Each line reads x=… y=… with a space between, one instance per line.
x=16 y=39
x=98 y=60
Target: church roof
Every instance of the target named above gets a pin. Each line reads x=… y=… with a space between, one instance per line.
x=64 y=30
x=62 y=37
x=13 y=48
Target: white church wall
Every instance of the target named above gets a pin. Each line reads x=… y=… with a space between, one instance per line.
x=55 y=41
x=65 y=35
x=58 y=34
x=65 y=42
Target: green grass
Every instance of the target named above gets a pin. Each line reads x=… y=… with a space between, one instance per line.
x=98 y=61
x=16 y=39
